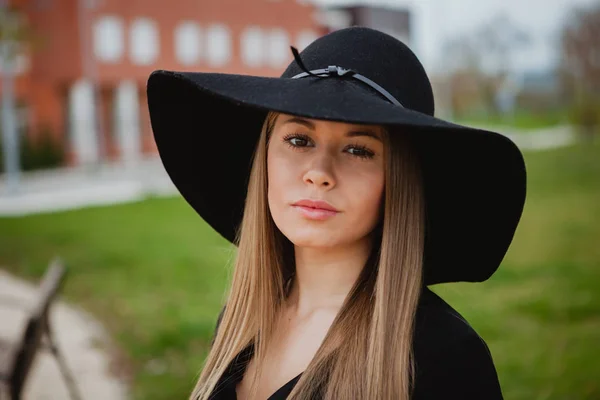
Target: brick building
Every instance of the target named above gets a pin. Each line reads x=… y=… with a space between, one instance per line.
x=84 y=81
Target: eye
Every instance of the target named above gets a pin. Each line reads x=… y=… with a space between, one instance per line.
x=359 y=151
x=297 y=140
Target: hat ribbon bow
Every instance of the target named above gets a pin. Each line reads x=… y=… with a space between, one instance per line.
x=333 y=71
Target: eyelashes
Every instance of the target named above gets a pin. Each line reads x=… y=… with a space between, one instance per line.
x=359 y=150
x=298 y=141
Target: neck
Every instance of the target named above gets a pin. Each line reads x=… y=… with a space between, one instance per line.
x=324 y=276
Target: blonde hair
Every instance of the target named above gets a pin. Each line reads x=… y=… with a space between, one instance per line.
x=367 y=352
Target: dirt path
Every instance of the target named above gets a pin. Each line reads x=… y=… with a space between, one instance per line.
x=79 y=337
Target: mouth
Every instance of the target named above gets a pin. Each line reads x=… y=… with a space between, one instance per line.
x=315 y=209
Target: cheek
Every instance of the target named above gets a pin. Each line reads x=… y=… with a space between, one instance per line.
x=279 y=173
x=365 y=194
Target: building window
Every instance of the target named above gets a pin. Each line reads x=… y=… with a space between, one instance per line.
x=109 y=39
x=278 y=49
x=218 y=46
x=188 y=43
x=19 y=64
x=252 y=46
x=143 y=41
x=305 y=38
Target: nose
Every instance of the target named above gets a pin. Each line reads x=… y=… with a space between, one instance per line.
x=320 y=172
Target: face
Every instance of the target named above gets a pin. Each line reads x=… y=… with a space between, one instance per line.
x=325 y=180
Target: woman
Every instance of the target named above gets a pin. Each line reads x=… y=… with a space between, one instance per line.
x=346 y=199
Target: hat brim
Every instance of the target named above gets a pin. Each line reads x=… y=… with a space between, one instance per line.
x=206 y=126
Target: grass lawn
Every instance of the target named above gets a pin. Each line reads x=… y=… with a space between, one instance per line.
x=520 y=120
x=153 y=273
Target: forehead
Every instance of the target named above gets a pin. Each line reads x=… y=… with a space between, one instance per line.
x=319 y=124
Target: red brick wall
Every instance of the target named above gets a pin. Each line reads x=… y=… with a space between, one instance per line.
x=57 y=59
x=235 y=14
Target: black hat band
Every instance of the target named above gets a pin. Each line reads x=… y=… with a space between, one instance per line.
x=334 y=70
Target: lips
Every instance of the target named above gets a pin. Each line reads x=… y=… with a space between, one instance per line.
x=315 y=209
x=316 y=204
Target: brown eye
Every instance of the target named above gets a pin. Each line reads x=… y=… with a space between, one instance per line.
x=360 y=151
x=297 y=140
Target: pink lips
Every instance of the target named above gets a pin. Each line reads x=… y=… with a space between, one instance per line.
x=315 y=209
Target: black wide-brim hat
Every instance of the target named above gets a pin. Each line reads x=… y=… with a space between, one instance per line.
x=206 y=127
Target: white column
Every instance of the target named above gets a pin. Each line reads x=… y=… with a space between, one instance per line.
x=127 y=121
x=82 y=117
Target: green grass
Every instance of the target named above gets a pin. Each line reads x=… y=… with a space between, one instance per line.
x=154 y=273
x=540 y=313
x=525 y=121
x=151 y=271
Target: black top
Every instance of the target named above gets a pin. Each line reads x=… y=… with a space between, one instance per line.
x=452 y=361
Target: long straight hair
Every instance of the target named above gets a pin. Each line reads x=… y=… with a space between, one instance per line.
x=367 y=351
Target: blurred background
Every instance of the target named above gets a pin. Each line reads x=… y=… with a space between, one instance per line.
x=80 y=177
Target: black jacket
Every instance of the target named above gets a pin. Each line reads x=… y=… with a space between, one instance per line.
x=452 y=361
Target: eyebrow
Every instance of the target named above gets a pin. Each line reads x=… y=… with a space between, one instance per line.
x=364 y=133
x=301 y=121
x=310 y=125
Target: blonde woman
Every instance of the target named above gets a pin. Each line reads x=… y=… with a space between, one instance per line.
x=346 y=198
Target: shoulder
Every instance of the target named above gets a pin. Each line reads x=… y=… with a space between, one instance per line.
x=451 y=359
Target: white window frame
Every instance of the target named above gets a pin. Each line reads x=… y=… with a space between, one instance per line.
x=144 y=46
x=109 y=39
x=218 y=45
x=188 y=43
x=252 y=46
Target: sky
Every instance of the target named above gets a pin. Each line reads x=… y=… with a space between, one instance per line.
x=438 y=19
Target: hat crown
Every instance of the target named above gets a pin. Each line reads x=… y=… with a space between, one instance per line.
x=376 y=55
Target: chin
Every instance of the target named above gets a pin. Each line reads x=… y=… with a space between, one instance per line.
x=304 y=232
x=314 y=242
x=315 y=237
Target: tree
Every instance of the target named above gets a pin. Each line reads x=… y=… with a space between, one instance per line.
x=484 y=57
x=580 y=66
